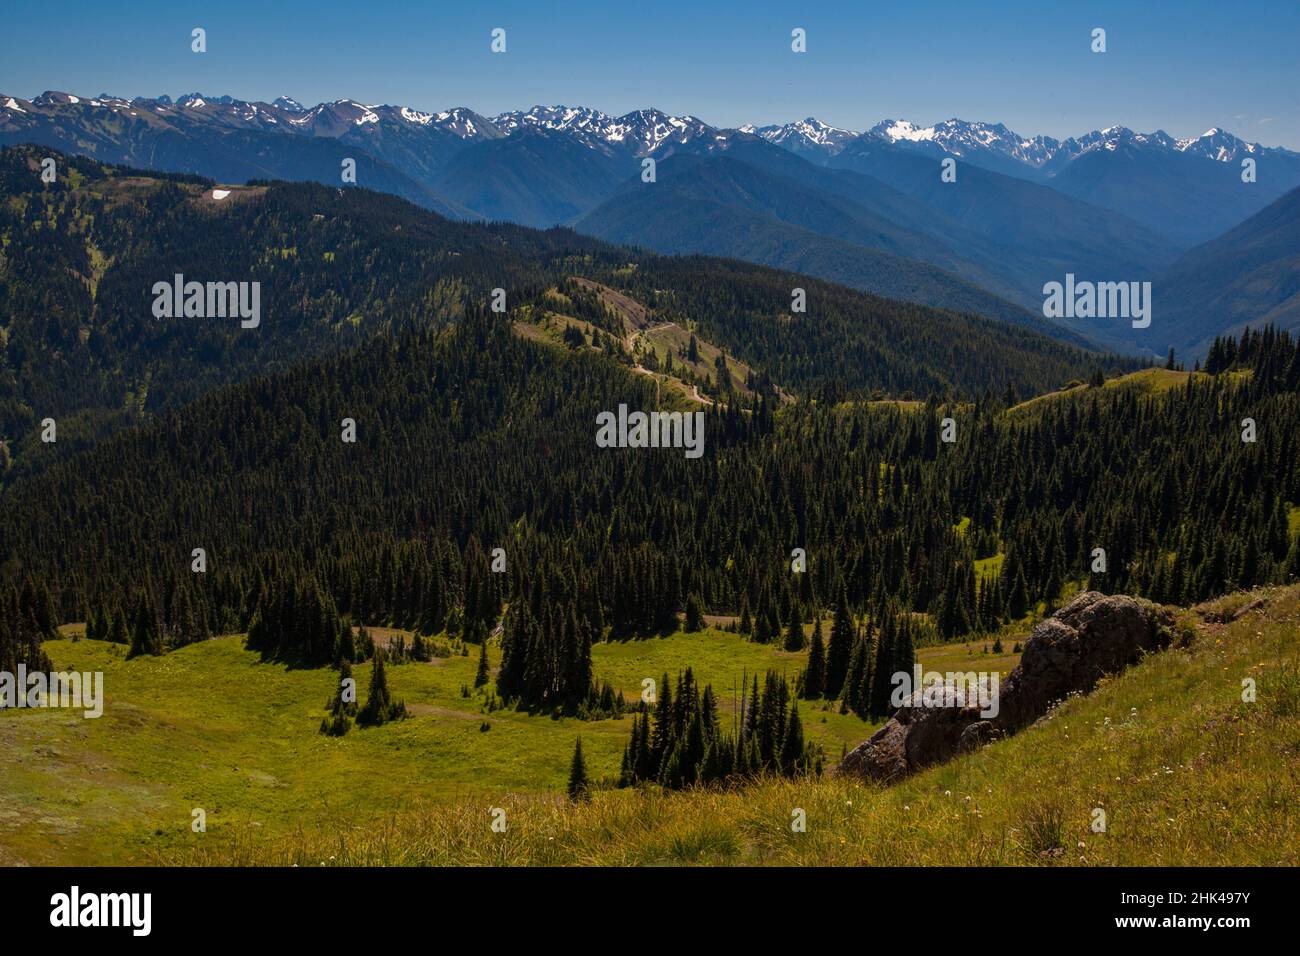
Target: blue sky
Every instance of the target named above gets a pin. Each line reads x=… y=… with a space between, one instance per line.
x=1179 y=66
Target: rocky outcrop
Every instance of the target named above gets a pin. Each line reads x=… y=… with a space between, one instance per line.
x=1093 y=635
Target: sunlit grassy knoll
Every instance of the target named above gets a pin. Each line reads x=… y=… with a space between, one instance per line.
x=1147 y=381
x=989 y=567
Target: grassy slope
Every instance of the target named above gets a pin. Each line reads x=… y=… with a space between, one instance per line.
x=1147 y=381
x=1186 y=772
x=211 y=726
x=640 y=338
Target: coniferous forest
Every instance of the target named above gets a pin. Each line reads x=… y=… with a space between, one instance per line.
x=470 y=437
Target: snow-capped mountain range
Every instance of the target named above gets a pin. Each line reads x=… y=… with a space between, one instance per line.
x=866 y=209
x=643 y=132
x=960 y=138
x=551 y=165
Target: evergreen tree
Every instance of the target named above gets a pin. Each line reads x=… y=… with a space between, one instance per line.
x=814 y=680
x=47 y=619
x=746 y=625
x=840 y=649
x=1018 y=597
x=853 y=679
x=794 y=639
x=882 y=673
x=118 y=630
x=692 y=749
x=20 y=637
x=904 y=656
x=341 y=711
x=380 y=708
x=146 y=636
x=694 y=613
x=792 y=746
x=578 y=774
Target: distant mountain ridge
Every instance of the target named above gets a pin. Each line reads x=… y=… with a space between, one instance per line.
x=1187 y=190
x=1111 y=204
x=960 y=138
x=1248 y=276
x=644 y=131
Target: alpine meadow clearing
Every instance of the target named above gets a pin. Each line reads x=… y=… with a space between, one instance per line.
x=1160 y=749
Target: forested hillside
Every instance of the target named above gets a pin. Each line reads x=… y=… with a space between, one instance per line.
x=80 y=344
x=262 y=489
x=471 y=438
x=81 y=256
x=851 y=344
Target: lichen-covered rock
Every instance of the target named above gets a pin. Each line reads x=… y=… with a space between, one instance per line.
x=916 y=736
x=1093 y=635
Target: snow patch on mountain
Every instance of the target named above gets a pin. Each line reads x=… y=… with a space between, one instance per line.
x=964 y=138
x=643 y=131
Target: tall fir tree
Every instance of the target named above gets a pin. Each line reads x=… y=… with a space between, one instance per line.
x=578 y=773
x=814 y=680
x=482 y=674
x=840 y=648
x=794 y=638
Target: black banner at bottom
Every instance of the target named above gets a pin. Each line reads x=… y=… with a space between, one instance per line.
x=343 y=905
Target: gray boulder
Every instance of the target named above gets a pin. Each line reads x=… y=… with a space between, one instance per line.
x=1093 y=635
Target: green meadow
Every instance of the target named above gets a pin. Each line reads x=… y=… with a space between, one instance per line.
x=1185 y=768
x=211 y=726
x=1192 y=758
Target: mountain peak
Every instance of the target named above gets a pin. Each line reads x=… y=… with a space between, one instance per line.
x=808 y=135
x=56 y=98
x=895 y=130
x=643 y=130
x=964 y=138
x=1217 y=144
